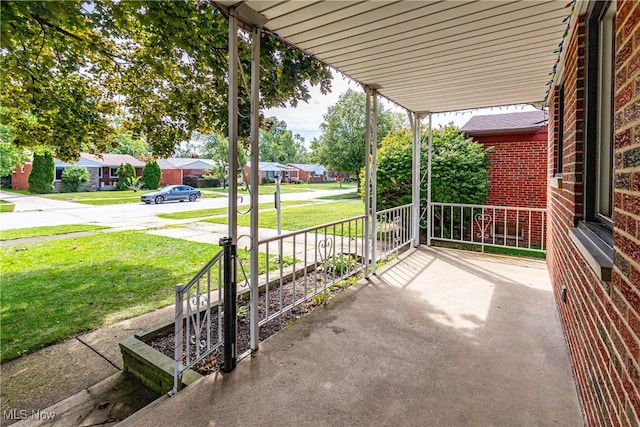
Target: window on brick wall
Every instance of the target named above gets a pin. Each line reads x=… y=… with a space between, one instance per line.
x=594 y=235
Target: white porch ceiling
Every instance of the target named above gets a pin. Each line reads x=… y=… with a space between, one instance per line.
x=429 y=56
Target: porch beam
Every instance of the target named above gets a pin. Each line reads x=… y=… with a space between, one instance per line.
x=415 y=121
x=429 y=165
x=367 y=181
x=254 y=181
x=373 y=120
x=233 y=127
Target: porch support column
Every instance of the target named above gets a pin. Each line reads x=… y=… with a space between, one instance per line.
x=254 y=181
x=373 y=119
x=414 y=120
x=233 y=127
x=367 y=181
x=429 y=164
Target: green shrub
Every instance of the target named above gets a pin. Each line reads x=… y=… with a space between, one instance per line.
x=460 y=168
x=190 y=180
x=125 y=172
x=151 y=175
x=42 y=174
x=73 y=178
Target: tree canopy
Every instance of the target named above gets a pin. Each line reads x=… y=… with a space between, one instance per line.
x=69 y=68
x=342 y=144
x=460 y=168
x=277 y=144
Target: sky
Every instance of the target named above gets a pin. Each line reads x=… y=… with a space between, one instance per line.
x=306 y=118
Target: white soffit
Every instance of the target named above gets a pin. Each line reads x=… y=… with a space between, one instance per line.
x=432 y=56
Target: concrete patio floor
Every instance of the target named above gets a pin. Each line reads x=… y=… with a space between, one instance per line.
x=438 y=337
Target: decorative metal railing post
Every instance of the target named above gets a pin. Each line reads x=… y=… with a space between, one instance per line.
x=429 y=166
x=367 y=183
x=178 y=341
x=254 y=181
x=374 y=178
x=229 y=305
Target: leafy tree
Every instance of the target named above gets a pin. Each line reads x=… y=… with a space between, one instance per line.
x=460 y=168
x=216 y=148
x=68 y=67
x=10 y=156
x=342 y=144
x=42 y=174
x=151 y=175
x=74 y=177
x=280 y=145
x=126 y=172
x=126 y=143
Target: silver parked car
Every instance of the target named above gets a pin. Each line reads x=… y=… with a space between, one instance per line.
x=172 y=192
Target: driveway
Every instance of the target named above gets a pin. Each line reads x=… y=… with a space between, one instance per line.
x=32 y=211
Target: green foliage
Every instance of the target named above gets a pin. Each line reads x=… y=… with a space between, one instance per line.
x=134 y=183
x=277 y=144
x=342 y=145
x=460 y=168
x=67 y=69
x=42 y=174
x=125 y=172
x=126 y=143
x=74 y=177
x=10 y=156
x=151 y=175
x=242 y=312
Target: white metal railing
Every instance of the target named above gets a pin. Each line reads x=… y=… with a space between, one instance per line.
x=198 y=318
x=497 y=226
x=393 y=230
x=302 y=264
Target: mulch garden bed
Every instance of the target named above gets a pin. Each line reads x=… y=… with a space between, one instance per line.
x=279 y=296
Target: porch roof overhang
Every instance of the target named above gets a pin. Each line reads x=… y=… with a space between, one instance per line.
x=426 y=56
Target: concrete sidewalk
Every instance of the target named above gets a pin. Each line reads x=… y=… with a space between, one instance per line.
x=439 y=338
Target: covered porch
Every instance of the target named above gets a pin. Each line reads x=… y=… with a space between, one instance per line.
x=437 y=337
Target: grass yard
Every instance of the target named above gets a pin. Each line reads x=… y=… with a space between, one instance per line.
x=54 y=290
x=108 y=197
x=344 y=196
x=6 y=206
x=203 y=213
x=290 y=188
x=21 y=233
x=297 y=218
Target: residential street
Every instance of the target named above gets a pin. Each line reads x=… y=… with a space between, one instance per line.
x=32 y=211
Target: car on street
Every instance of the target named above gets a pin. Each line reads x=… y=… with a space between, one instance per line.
x=172 y=193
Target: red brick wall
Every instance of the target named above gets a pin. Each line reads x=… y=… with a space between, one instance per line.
x=171 y=177
x=20 y=178
x=601 y=319
x=518 y=172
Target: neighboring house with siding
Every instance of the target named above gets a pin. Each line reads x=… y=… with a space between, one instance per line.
x=102 y=171
x=268 y=171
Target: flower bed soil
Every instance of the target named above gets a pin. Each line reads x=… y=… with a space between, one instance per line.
x=278 y=296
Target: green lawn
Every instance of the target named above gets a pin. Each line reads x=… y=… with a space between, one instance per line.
x=297 y=218
x=20 y=233
x=202 y=213
x=108 y=197
x=290 y=188
x=54 y=290
x=6 y=206
x=344 y=196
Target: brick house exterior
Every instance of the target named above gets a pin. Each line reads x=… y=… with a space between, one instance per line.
x=594 y=256
x=518 y=174
x=20 y=176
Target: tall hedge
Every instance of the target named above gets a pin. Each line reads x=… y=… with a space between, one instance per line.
x=460 y=168
x=125 y=172
x=151 y=175
x=43 y=172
